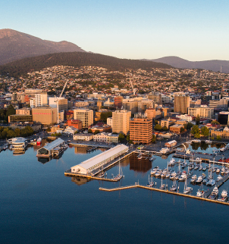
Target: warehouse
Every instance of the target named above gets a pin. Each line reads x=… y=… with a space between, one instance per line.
x=47 y=150
x=96 y=164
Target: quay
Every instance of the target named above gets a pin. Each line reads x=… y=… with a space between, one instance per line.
x=163 y=191
x=96 y=165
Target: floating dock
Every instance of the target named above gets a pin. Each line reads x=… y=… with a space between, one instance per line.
x=163 y=191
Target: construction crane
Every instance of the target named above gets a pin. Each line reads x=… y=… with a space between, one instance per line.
x=134 y=89
x=57 y=101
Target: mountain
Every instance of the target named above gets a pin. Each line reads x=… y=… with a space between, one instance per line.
x=77 y=59
x=214 y=65
x=16 y=45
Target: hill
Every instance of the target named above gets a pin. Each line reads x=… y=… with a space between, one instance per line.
x=16 y=45
x=214 y=65
x=77 y=59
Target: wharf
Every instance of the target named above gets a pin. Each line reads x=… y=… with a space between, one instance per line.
x=105 y=167
x=163 y=191
x=75 y=144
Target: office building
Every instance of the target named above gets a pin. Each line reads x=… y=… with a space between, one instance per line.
x=120 y=121
x=85 y=115
x=181 y=104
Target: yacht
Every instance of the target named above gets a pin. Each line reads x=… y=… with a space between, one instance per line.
x=200 y=168
x=204 y=168
x=153 y=171
x=188 y=190
x=211 y=182
x=193 y=179
x=196 y=141
x=215 y=191
x=167 y=175
x=196 y=167
x=173 y=187
x=158 y=173
x=219 y=178
x=217 y=170
x=171 y=162
x=150 y=182
x=208 y=142
x=152 y=158
x=200 y=193
x=199 y=180
x=223 y=196
x=223 y=170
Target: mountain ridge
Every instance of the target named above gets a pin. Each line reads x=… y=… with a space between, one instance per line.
x=15 y=45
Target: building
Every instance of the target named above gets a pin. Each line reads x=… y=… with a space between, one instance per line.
x=39 y=100
x=94 y=165
x=130 y=105
x=44 y=115
x=171 y=143
x=202 y=112
x=83 y=137
x=62 y=102
x=150 y=113
x=20 y=118
x=121 y=121
x=85 y=115
x=109 y=122
x=156 y=97
x=141 y=130
x=70 y=130
x=23 y=111
x=106 y=137
x=181 y=104
x=118 y=101
x=75 y=123
x=223 y=118
x=165 y=123
x=219 y=104
x=144 y=104
x=176 y=128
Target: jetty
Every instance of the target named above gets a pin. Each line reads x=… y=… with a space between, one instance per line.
x=160 y=190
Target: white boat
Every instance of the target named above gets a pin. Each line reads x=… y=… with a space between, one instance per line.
x=211 y=182
x=173 y=187
x=193 y=179
x=219 y=177
x=217 y=170
x=158 y=173
x=200 y=168
x=215 y=191
x=152 y=158
x=200 y=193
x=208 y=142
x=139 y=156
x=167 y=175
x=172 y=162
x=223 y=196
x=199 y=180
x=162 y=187
x=154 y=170
x=150 y=182
x=196 y=141
x=223 y=170
x=187 y=189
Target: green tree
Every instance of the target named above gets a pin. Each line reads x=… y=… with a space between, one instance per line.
x=121 y=137
x=204 y=131
x=197 y=135
x=218 y=138
x=215 y=122
x=157 y=127
x=195 y=129
x=89 y=131
x=96 y=132
x=164 y=128
x=182 y=129
x=188 y=126
x=154 y=139
x=197 y=119
x=105 y=115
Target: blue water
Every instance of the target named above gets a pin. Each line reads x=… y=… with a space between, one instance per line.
x=38 y=204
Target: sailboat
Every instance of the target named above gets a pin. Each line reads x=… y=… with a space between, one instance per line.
x=150 y=181
x=162 y=187
x=187 y=189
x=200 y=192
x=120 y=173
x=174 y=186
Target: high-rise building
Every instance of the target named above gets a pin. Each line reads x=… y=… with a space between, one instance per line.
x=118 y=101
x=202 y=112
x=63 y=103
x=85 y=115
x=181 y=104
x=39 y=100
x=141 y=130
x=121 y=121
x=45 y=115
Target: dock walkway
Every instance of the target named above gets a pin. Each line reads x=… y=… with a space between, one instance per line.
x=163 y=191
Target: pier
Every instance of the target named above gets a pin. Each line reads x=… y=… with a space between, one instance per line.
x=163 y=191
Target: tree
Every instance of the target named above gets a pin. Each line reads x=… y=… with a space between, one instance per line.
x=105 y=115
x=204 y=131
x=121 y=137
x=218 y=138
x=157 y=127
x=198 y=119
x=197 y=135
x=182 y=129
x=215 y=122
x=164 y=128
x=154 y=139
x=188 y=126
x=195 y=129
x=89 y=131
x=96 y=132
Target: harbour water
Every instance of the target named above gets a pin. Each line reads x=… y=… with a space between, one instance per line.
x=41 y=205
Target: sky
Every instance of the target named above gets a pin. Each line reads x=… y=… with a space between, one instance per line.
x=134 y=29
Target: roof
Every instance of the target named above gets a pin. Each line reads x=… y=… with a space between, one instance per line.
x=53 y=144
x=101 y=157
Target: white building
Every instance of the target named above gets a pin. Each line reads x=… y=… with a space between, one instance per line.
x=85 y=115
x=39 y=100
x=93 y=165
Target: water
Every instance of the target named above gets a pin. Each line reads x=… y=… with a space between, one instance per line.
x=38 y=204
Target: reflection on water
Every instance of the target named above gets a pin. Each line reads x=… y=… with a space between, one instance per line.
x=79 y=180
x=43 y=160
x=81 y=150
x=139 y=165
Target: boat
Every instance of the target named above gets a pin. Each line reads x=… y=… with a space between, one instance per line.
x=162 y=187
x=211 y=182
x=223 y=196
x=196 y=167
x=152 y=158
x=219 y=177
x=167 y=175
x=158 y=173
x=154 y=170
x=200 y=193
x=215 y=191
x=172 y=162
x=217 y=170
x=196 y=141
x=193 y=179
x=203 y=175
x=223 y=170
x=200 y=168
x=204 y=169
x=187 y=189
x=208 y=142
x=199 y=179
x=173 y=187
x=150 y=181
x=139 y=156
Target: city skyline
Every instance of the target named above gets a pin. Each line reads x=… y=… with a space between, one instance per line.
x=130 y=29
